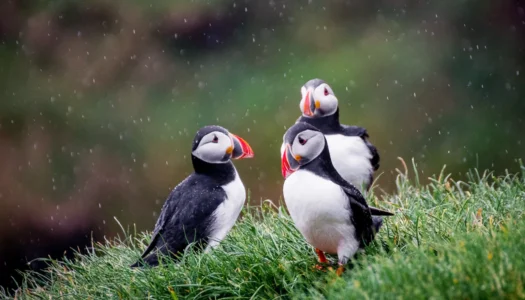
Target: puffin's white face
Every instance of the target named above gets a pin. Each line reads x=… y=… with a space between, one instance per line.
x=215 y=147
x=307 y=145
x=318 y=101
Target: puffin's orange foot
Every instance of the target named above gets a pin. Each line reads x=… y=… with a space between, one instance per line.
x=322 y=261
x=323 y=267
x=340 y=270
x=320 y=255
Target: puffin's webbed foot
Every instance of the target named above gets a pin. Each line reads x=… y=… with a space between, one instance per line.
x=322 y=260
x=320 y=255
x=344 y=263
x=340 y=269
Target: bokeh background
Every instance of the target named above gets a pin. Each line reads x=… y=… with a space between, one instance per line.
x=99 y=100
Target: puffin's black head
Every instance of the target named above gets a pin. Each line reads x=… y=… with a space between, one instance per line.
x=303 y=143
x=318 y=99
x=214 y=144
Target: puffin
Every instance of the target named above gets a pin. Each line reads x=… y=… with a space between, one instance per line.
x=331 y=214
x=353 y=156
x=203 y=207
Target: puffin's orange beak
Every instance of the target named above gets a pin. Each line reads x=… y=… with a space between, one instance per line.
x=240 y=148
x=289 y=163
x=308 y=105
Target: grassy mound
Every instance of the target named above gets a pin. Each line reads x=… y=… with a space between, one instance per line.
x=449 y=239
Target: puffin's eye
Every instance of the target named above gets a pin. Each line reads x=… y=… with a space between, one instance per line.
x=326 y=92
x=215 y=139
x=302 y=141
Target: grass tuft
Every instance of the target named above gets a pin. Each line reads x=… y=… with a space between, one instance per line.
x=448 y=239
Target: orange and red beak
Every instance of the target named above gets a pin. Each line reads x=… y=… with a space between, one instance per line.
x=288 y=162
x=241 y=149
x=309 y=105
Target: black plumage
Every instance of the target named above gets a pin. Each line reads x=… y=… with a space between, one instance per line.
x=187 y=215
x=182 y=222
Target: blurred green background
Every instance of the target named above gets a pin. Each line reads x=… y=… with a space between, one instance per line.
x=100 y=100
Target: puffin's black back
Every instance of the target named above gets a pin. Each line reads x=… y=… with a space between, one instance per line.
x=187 y=214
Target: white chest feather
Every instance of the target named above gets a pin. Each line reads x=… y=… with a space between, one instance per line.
x=351 y=158
x=228 y=211
x=320 y=210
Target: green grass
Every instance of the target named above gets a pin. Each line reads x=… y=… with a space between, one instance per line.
x=449 y=239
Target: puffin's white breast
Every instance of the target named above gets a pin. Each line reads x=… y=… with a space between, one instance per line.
x=228 y=211
x=320 y=210
x=351 y=158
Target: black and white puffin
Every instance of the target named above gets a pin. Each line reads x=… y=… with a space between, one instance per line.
x=353 y=156
x=204 y=207
x=330 y=213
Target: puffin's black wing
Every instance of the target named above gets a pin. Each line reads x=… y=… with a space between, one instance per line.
x=185 y=217
x=167 y=210
x=365 y=218
x=361 y=216
x=354 y=193
x=361 y=132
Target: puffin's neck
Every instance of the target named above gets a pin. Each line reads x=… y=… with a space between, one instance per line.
x=322 y=166
x=222 y=172
x=327 y=124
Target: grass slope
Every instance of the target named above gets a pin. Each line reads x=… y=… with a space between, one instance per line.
x=449 y=239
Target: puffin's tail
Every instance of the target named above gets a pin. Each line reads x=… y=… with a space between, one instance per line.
x=379 y=212
x=377 y=222
x=151 y=260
